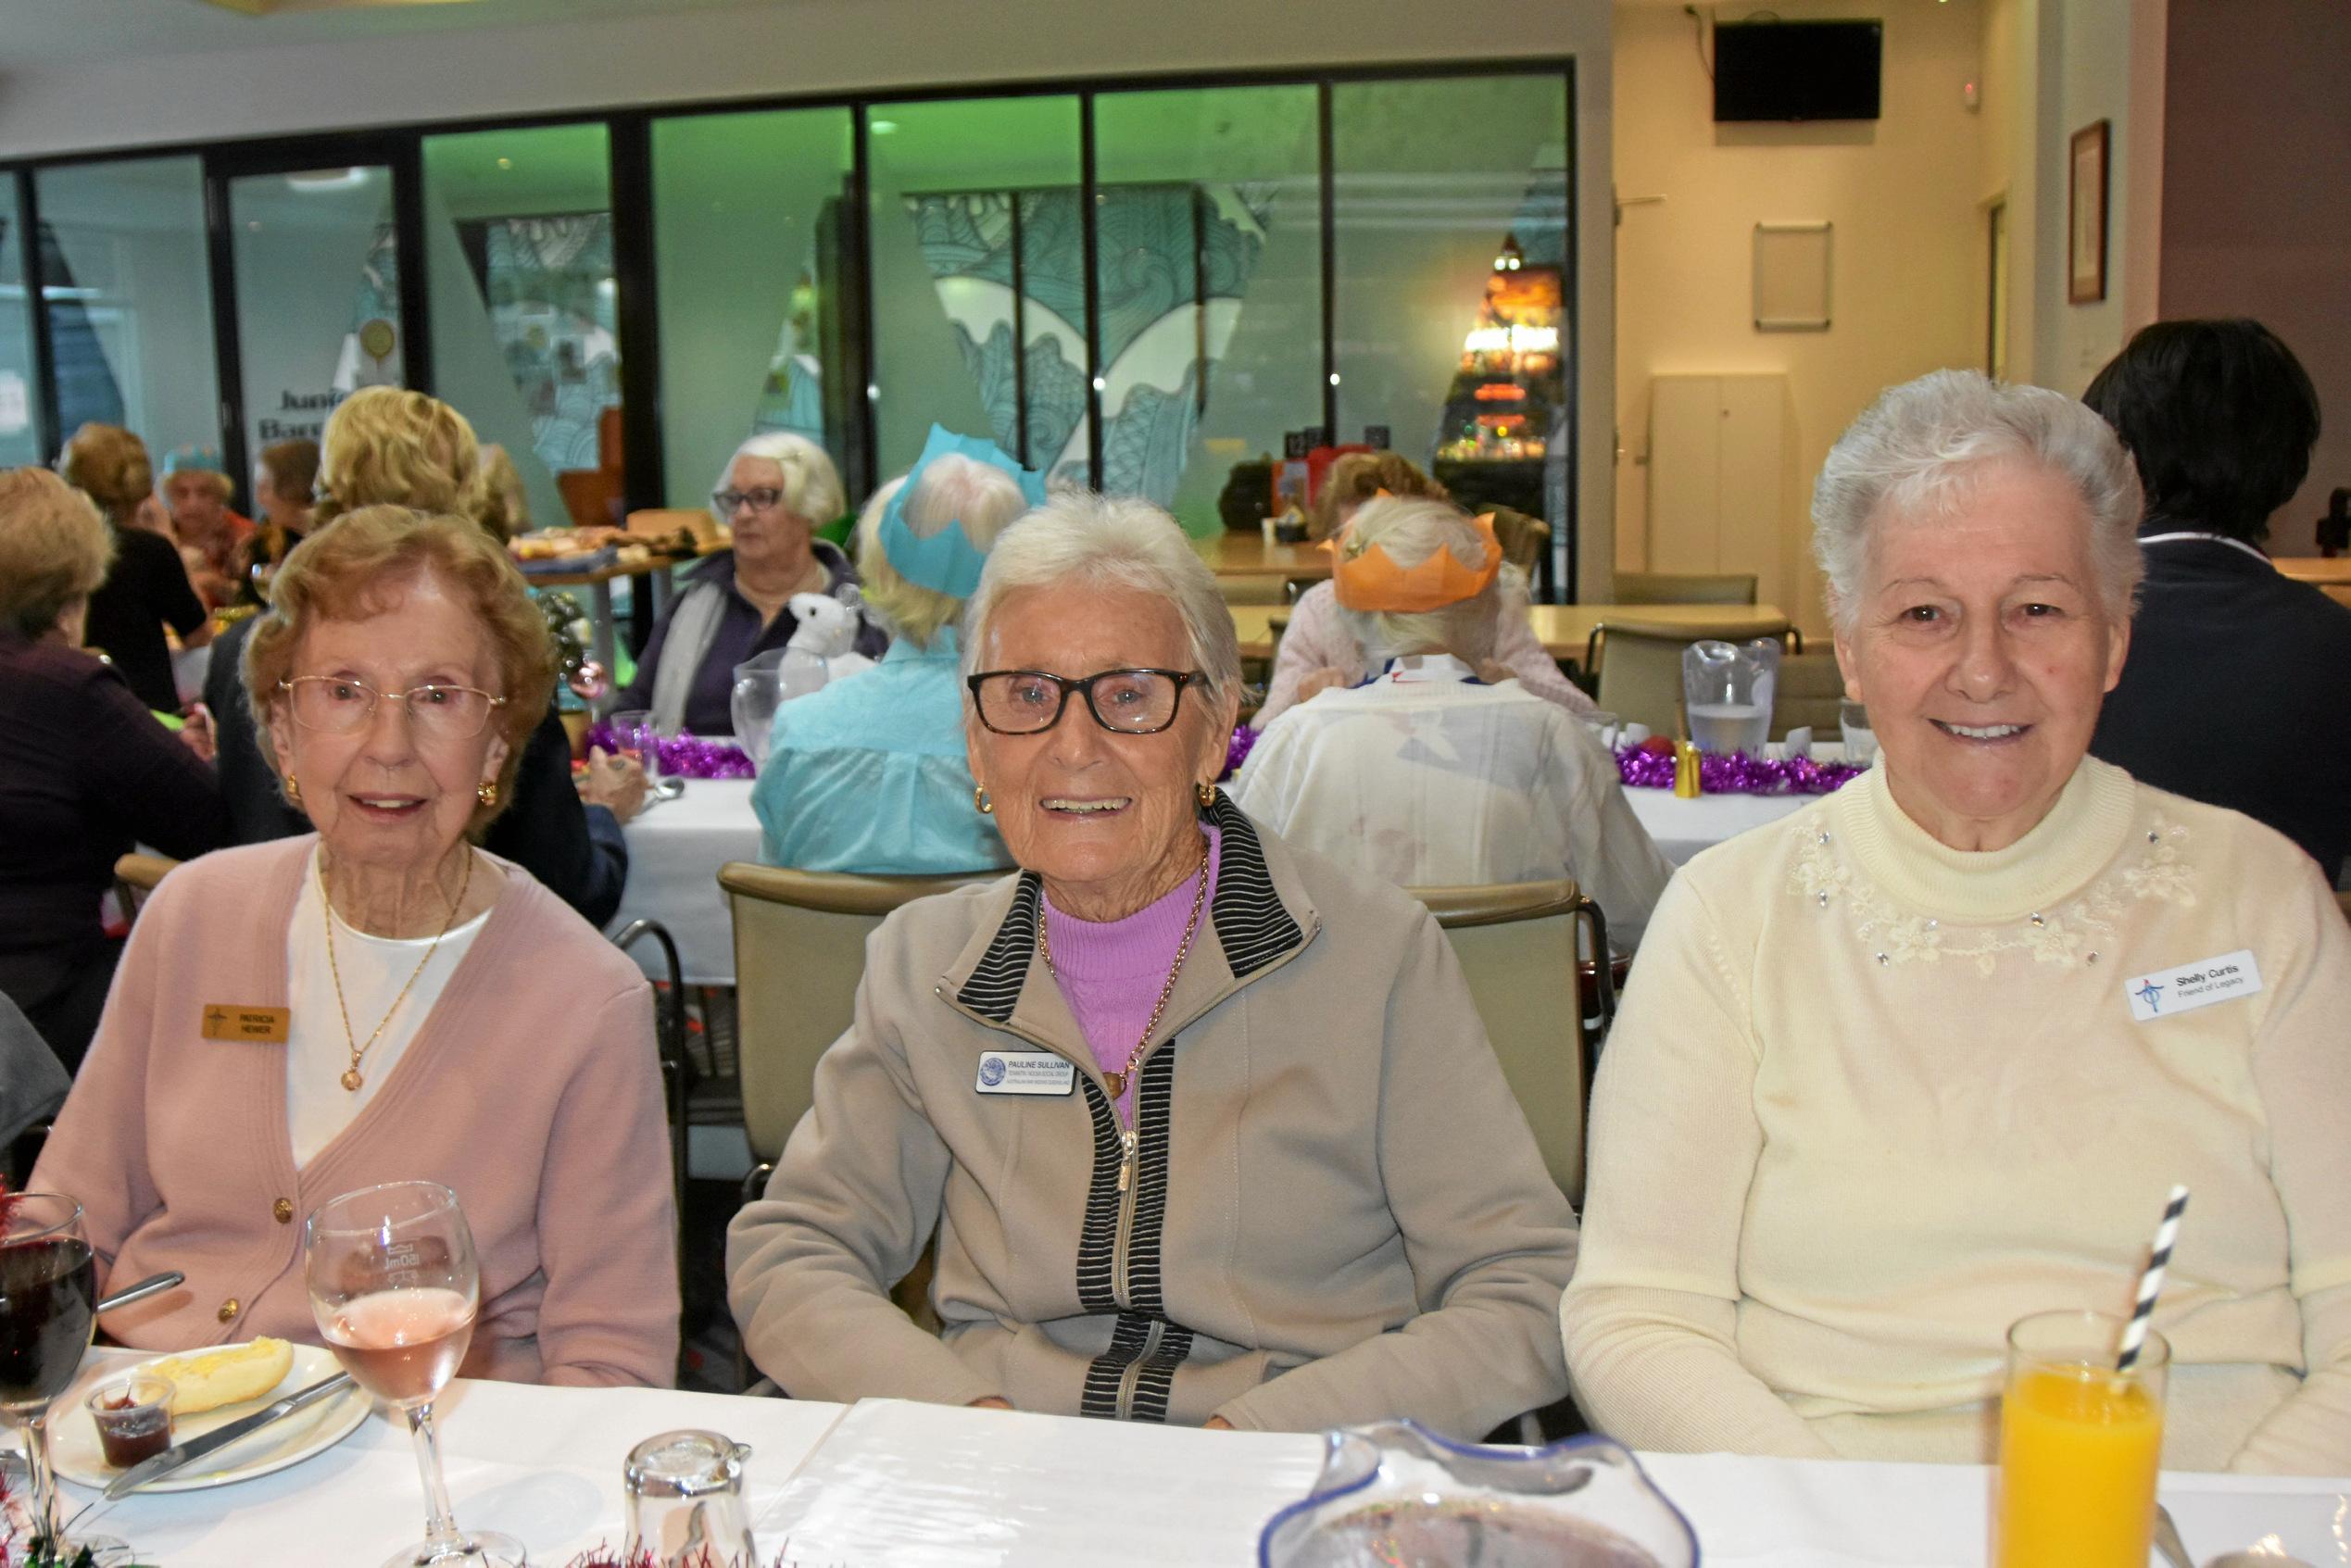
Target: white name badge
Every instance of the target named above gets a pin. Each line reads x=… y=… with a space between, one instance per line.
x=1026 y=1073
x=2193 y=986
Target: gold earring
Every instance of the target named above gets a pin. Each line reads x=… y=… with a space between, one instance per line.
x=981 y=803
x=1207 y=795
x=294 y=789
x=487 y=792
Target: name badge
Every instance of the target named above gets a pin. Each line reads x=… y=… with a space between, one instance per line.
x=264 y=1026
x=2191 y=986
x=1026 y=1073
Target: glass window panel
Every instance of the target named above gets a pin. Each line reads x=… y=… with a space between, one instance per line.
x=751 y=249
x=1210 y=257
x=966 y=193
x=19 y=436
x=318 y=293
x=518 y=265
x=126 y=282
x=1451 y=239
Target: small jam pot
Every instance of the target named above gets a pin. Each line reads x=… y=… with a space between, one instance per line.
x=134 y=1417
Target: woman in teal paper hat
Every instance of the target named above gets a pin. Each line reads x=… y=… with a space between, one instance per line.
x=869 y=774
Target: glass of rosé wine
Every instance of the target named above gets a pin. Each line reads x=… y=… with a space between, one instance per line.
x=394 y=1288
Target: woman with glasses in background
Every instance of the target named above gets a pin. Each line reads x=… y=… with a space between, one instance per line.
x=1187 y=1109
x=416 y=1008
x=776 y=491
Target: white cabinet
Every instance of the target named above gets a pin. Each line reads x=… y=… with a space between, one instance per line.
x=1720 y=456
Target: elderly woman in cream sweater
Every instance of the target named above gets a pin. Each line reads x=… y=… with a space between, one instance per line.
x=1914 y=1063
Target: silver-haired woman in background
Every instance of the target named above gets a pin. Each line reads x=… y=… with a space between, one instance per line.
x=1911 y=1064
x=1192 y=1113
x=775 y=493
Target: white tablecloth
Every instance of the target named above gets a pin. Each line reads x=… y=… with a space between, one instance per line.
x=885 y=1482
x=677 y=846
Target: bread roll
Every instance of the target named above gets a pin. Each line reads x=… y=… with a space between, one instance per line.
x=204 y=1380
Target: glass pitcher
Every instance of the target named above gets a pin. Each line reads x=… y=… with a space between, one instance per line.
x=764 y=682
x=1396 y=1493
x=1727 y=689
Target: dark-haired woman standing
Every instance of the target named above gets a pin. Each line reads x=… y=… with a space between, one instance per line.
x=2234 y=692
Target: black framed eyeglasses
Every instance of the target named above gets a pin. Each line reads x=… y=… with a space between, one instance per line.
x=340 y=705
x=1126 y=702
x=764 y=498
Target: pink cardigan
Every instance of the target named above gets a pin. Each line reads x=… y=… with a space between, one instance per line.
x=1317 y=637
x=532 y=1090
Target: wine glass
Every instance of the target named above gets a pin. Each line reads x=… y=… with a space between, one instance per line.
x=48 y=1308
x=394 y=1288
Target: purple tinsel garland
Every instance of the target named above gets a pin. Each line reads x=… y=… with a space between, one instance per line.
x=1236 y=750
x=686 y=757
x=1736 y=773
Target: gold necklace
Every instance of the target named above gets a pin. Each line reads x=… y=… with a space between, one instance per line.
x=352 y=1077
x=1117 y=1081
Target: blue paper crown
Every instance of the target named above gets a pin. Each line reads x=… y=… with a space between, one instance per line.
x=947 y=562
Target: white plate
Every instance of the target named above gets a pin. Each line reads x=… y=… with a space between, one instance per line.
x=73 y=1436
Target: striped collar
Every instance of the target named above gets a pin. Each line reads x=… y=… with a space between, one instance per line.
x=2177 y=535
x=1255 y=928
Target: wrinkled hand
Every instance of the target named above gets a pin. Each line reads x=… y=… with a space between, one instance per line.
x=615 y=783
x=1316 y=682
x=196 y=735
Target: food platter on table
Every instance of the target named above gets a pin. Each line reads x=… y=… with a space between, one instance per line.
x=303 y=1434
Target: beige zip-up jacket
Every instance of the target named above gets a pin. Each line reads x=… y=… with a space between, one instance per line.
x=1331 y=1209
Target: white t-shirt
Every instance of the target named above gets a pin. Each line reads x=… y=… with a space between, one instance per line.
x=373 y=968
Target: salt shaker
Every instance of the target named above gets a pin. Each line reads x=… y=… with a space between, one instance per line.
x=686 y=1504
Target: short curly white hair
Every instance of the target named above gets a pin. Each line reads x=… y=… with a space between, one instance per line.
x=1915 y=454
x=812 y=484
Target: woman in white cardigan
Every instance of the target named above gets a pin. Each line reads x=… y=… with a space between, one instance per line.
x=1914 y=1062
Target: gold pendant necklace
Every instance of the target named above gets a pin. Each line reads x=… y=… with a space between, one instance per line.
x=1117 y=1081
x=352 y=1077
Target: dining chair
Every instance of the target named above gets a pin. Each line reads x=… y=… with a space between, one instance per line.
x=1684 y=588
x=1637 y=665
x=1517 y=944
x=799 y=952
x=134 y=877
x=1810 y=693
x=1253 y=590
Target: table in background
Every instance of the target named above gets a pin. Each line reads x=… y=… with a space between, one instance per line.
x=884 y=1482
x=1233 y=554
x=677 y=846
x=1562 y=629
x=2330 y=576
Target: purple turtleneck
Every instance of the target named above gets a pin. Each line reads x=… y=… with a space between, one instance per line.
x=1110 y=972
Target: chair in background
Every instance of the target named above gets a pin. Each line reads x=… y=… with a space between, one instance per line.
x=669 y=1042
x=1684 y=588
x=1809 y=694
x=135 y=878
x=799 y=952
x=1637 y=666
x=1517 y=944
x=1253 y=590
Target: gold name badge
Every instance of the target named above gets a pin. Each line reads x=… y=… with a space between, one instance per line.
x=262 y=1026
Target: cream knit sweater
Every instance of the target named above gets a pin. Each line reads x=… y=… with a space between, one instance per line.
x=1870 y=1100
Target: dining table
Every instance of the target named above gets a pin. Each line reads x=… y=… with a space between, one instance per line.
x=890 y=1484
x=677 y=846
x=1236 y=554
x=1564 y=630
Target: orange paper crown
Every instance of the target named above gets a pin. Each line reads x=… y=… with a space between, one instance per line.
x=1365 y=578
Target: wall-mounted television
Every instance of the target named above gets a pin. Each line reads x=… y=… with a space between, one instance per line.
x=1797 y=71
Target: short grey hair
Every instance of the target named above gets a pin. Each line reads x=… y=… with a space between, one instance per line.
x=953 y=489
x=1411 y=529
x=1112 y=542
x=812 y=484
x=1915 y=452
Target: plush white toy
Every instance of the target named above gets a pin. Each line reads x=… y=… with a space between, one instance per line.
x=828 y=629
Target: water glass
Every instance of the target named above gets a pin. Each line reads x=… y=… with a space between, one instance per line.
x=637 y=739
x=2079 y=1445
x=1861 y=742
x=685 y=1507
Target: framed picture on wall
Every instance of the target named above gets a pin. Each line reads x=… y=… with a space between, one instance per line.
x=2086 y=223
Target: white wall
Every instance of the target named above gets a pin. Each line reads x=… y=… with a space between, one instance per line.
x=824 y=46
x=1909 y=241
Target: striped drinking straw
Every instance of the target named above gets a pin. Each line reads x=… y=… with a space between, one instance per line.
x=2134 y=1333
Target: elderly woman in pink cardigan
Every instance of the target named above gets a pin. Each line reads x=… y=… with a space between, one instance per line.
x=383 y=1001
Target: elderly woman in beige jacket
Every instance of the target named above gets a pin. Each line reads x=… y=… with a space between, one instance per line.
x=1207 y=1127
x=1927 y=1057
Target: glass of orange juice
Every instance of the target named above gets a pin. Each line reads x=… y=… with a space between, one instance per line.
x=2079 y=1445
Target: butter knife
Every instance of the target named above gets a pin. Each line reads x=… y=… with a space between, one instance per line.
x=194 y=1449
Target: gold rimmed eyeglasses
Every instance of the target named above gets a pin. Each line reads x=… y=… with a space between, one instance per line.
x=340 y=704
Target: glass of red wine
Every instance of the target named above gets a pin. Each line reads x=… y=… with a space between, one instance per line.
x=394 y=1288
x=48 y=1308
